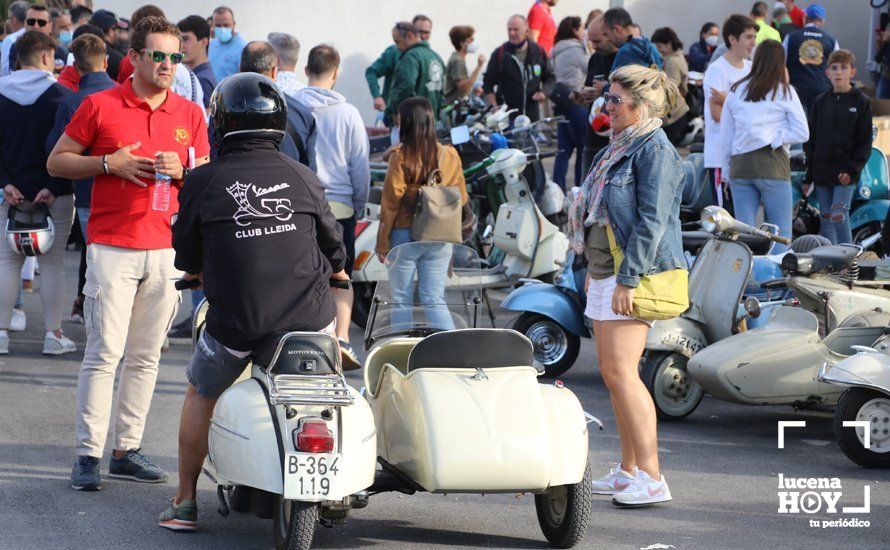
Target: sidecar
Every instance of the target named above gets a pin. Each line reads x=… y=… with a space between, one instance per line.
x=459 y=409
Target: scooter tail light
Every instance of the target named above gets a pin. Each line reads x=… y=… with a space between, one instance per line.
x=360 y=260
x=360 y=227
x=313 y=436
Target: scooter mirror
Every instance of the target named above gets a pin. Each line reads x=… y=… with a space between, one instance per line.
x=522 y=121
x=460 y=135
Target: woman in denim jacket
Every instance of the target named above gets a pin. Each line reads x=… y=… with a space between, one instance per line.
x=634 y=187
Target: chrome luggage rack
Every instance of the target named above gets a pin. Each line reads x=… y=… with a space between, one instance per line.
x=308 y=389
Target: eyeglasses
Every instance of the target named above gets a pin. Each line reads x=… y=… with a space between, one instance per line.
x=612 y=98
x=33 y=22
x=158 y=56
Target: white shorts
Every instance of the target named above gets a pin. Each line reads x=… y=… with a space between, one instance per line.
x=599 y=302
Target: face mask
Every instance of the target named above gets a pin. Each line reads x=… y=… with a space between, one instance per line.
x=65 y=37
x=784 y=20
x=223 y=33
x=712 y=40
x=472 y=47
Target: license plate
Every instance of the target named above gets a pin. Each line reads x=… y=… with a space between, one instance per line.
x=312 y=476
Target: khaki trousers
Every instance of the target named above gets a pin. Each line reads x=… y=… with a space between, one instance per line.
x=129 y=307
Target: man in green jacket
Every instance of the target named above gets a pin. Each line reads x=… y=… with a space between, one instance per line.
x=419 y=72
x=384 y=67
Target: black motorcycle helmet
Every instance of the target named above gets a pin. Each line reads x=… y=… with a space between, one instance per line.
x=248 y=105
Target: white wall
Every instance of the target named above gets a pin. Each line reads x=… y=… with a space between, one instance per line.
x=360 y=29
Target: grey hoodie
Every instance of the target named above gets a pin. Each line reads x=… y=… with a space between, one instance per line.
x=341 y=146
x=25 y=86
x=569 y=60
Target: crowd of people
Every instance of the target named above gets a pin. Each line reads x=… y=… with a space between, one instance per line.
x=99 y=112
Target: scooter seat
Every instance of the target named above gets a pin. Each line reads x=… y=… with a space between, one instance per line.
x=298 y=353
x=482 y=348
x=825 y=259
x=694 y=240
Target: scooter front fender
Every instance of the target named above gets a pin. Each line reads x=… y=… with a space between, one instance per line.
x=680 y=335
x=549 y=301
x=865 y=370
x=870 y=212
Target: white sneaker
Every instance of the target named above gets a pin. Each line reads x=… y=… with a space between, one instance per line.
x=57 y=346
x=617 y=481
x=19 y=321
x=643 y=492
x=4 y=343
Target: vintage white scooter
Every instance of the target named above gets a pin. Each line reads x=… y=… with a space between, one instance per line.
x=778 y=363
x=459 y=409
x=531 y=244
x=866 y=376
x=291 y=441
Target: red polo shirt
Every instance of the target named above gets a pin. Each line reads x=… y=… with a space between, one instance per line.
x=540 y=18
x=120 y=210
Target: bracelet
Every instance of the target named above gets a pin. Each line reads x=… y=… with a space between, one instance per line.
x=105 y=163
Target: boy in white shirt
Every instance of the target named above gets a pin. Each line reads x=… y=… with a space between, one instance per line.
x=739 y=34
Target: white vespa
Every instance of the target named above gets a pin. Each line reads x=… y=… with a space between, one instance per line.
x=291 y=441
x=459 y=409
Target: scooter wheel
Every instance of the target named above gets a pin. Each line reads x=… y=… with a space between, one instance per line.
x=564 y=512
x=294 y=524
x=240 y=499
x=673 y=391
x=864 y=405
x=555 y=347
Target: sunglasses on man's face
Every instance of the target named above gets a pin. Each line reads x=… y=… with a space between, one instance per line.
x=158 y=56
x=612 y=98
x=33 y=22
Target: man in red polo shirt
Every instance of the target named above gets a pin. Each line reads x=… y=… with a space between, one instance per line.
x=541 y=25
x=131 y=132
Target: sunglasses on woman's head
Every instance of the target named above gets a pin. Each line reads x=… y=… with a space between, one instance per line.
x=36 y=22
x=158 y=56
x=612 y=98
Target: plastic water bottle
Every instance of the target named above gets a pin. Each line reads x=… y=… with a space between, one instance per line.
x=160 y=195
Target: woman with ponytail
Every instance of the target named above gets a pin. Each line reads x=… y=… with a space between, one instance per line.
x=631 y=197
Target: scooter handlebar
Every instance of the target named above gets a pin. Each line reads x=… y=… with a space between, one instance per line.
x=771 y=236
x=540 y=156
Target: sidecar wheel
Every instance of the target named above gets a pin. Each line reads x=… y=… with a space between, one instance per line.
x=861 y=404
x=361 y=304
x=294 y=524
x=555 y=347
x=564 y=512
x=674 y=392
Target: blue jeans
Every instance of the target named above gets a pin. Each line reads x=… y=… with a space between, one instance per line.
x=430 y=265
x=834 y=204
x=749 y=193
x=571 y=136
x=883 y=90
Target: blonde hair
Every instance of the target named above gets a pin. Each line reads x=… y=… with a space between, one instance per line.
x=651 y=91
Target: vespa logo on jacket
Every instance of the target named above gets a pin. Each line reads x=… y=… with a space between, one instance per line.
x=269 y=207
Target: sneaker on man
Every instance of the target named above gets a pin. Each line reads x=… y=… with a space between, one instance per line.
x=180 y=517
x=19 y=321
x=136 y=467
x=348 y=357
x=645 y=491
x=616 y=481
x=77 y=312
x=4 y=343
x=57 y=345
x=85 y=475
x=181 y=332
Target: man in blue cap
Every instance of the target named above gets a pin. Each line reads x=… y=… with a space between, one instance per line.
x=807 y=52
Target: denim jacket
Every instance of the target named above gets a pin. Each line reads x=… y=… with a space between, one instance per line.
x=642 y=198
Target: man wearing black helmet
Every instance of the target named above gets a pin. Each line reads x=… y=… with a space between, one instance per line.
x=254 y=227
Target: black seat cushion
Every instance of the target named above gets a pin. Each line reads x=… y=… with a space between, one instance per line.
x=693 y=241
x=483 y=348
x=826 y=259
x=301 y=353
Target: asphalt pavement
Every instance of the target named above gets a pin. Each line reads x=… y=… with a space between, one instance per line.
x=722 y=464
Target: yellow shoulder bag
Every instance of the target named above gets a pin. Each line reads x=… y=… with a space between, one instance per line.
x=659 y=296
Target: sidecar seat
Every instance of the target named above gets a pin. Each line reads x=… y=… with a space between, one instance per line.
x=483 y=348
x=298 y=353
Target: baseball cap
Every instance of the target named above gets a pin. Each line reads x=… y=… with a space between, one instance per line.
x=815 y=11
x=104 y=19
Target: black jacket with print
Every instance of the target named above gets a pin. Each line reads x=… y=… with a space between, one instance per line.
x=257 y=224
x=840 y=137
